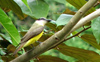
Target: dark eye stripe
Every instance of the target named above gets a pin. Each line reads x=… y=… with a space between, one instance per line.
x=42 y=18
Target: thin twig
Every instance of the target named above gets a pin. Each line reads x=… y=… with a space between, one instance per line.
x=97 y=4
x=72 y=36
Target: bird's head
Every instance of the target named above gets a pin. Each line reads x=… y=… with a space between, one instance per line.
x=43 y=21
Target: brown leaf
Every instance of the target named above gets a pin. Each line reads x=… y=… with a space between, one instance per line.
x=54 y=27
x=79 y=3
x=11 y=48
x=10 y=4
x=24 y=16
x=68 y=11
x=48 y=58
x=81 y=54
x=89 y=38
x=6 y=9
x=7 y=58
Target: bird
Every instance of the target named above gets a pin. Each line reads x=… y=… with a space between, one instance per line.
x=33 y=34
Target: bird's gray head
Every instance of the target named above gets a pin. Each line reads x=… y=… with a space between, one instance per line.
x=42 y=21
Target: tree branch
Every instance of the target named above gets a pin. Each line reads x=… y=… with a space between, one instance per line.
x=86 y=19
x=71 y=36
x=57 y=37
x=77 y=33
x=83 y=21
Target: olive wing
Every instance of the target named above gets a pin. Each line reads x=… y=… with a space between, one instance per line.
x=32 y=33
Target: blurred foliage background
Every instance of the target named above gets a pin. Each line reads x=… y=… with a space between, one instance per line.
x=56 y=8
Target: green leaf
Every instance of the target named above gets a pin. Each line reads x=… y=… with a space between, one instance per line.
x=10 y=4
x=79 y=3
x=5 y=37
x=89 y=38
x=63 y=19
x=39 y=8
x=52 y=25
x=96 y=28
x=25 y=2
x=1 y=60
x=2 y=52
x=61 y=1
x=23 y=32
x=9 y=27
x=81 y=54
x=48 y=58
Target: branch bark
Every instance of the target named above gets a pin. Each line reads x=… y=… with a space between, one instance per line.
x=57 y=37
x=82 y=22
x=86 y=19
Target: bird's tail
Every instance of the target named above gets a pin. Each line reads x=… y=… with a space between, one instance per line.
x=21 y=45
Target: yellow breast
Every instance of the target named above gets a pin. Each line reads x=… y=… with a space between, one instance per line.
x=32 y=40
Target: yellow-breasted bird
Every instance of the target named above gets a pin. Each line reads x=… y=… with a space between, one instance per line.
x=33 y=34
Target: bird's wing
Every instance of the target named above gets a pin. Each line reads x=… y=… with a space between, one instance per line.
x=31 y=33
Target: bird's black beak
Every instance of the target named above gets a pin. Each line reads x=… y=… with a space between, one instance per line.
x=48 y=20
